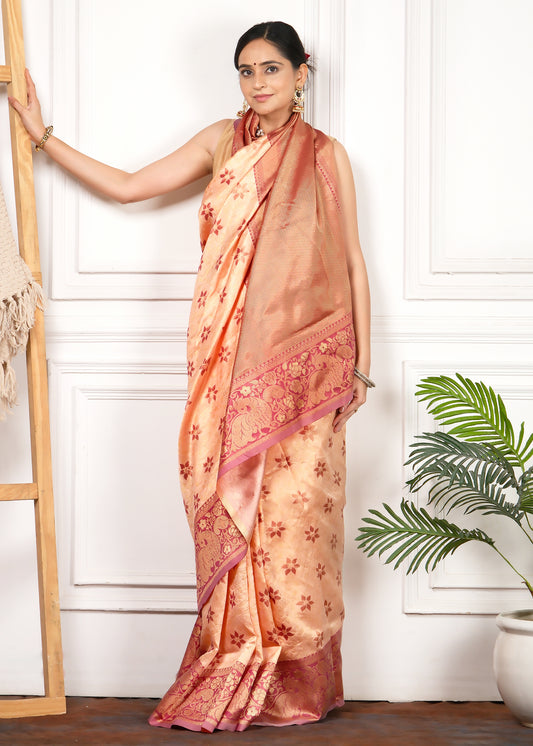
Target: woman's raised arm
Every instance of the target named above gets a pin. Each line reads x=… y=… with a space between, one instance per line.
x=190 y=162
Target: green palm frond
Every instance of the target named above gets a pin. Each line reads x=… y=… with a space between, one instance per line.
x=462 y=475
x=474 y=492
x=471 y=467
x=525 y=491
x=475 y=414
x=434 y=452
x=431 y=539
x=525 y=446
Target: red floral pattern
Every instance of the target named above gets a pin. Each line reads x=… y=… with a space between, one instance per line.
x=285 y=631
x=204 y=367
x=305 y=603
x=207 y=212
x=283 y=462
x=212 y=392
x=299 y=497
x=224 y=356
x=195 y=432
x=186 y=470
x=227 y=176
x=237 y=639
x=291 y=565
x=275 y=529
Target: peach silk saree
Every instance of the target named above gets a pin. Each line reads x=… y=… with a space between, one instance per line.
x=271 y=357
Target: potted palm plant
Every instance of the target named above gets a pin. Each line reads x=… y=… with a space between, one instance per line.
x=479 y=463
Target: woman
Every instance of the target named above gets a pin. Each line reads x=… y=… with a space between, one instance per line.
x=279 y=323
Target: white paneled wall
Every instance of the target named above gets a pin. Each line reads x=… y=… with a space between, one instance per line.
x=469 y=229
x=429 y=98
x=438 y=133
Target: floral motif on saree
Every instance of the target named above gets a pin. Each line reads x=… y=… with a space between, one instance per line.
x=270 y=358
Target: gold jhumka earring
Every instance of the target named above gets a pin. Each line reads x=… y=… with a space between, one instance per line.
x=244 y=109
x=298 y=100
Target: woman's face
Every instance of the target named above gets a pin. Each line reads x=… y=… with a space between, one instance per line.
x=268 y=80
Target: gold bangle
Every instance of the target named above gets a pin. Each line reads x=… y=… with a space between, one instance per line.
x=48 y=131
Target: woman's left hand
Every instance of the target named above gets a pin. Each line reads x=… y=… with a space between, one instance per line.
x=344 y=413
x=30 y=113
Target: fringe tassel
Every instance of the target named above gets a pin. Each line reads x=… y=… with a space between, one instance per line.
x=17 y=317
x=8 y=389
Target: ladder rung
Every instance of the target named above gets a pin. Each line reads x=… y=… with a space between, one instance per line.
x=18 y=492
x=5 y=74
x=32 y=706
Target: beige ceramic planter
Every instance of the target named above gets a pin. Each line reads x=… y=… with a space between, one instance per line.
x=513 y=663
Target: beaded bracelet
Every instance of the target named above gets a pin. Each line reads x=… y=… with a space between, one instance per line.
x=364 y=379
x=48 y=131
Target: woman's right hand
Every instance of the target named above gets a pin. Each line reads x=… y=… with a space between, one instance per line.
x=30 y=114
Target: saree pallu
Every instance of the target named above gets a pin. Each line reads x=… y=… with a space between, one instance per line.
x=270 y=358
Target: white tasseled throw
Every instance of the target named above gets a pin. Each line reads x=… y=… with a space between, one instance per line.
x=19 y=296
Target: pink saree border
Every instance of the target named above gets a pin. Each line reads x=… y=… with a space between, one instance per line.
x=219 y=546
x=277 y=393
x=319 y=672
x=297 y=424
x=303 y=344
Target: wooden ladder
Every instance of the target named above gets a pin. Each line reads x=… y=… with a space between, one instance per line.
x=40 y=490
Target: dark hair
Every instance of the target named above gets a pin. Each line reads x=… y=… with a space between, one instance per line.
x=281 y=34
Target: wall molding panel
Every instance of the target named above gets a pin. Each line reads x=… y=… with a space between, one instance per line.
x=93 y=572
x=472 y=581
x=324 y=35
x=73 y=276
x=430 y=271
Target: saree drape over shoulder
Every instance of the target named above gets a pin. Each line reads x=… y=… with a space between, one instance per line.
x=271 y=357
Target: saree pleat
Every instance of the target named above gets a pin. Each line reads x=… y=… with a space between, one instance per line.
x=270 y=356
x=266 y=646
